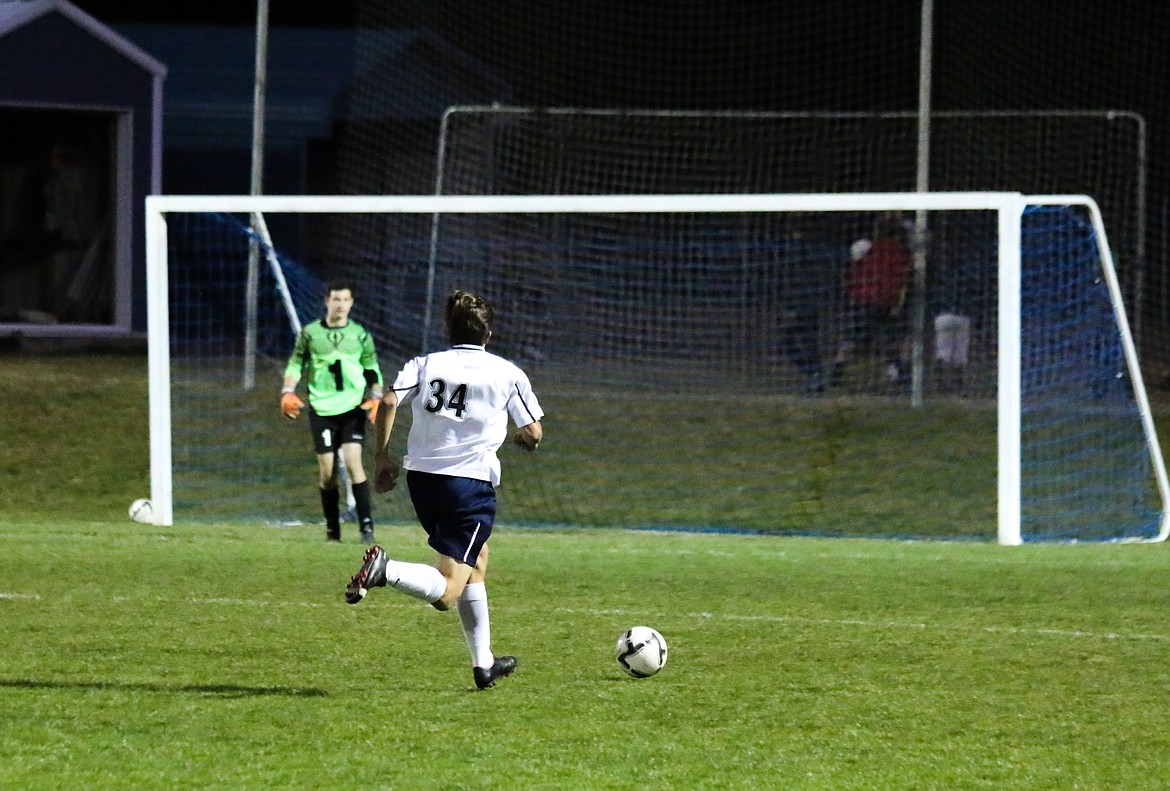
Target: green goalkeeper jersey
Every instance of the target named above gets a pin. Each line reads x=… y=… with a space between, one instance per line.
x=333 y=361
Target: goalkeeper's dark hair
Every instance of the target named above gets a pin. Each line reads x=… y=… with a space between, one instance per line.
x=469 y=318
x=338 y=285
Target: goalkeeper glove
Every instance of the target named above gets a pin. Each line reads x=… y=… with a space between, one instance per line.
x=291 y=406
x=371 y=405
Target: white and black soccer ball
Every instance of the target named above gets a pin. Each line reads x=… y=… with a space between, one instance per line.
x=641 y=651
x=141 y=510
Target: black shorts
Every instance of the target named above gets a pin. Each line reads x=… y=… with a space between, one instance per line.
x=865 y=325
x=330 y=432
x=457 y=513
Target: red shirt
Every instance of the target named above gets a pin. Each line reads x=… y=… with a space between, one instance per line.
x=878 y=278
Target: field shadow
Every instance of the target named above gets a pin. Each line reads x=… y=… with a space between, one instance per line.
x=214 y=690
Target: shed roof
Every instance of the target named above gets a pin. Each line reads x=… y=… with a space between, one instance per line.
x=309 y=77
x=15 y=14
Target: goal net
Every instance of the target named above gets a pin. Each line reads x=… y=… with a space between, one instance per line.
x=702 y=362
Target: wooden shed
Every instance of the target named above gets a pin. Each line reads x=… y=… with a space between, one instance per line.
x=80 y=149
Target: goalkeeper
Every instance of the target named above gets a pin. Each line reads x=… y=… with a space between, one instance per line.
x=336 y=357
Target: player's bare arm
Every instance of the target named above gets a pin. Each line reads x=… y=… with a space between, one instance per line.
x=528 y=437
x=385 y=468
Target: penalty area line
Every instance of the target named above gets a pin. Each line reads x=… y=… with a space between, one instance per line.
x=902 y=625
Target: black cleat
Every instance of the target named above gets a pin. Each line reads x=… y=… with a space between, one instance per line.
x=372 y=574
x=367 y=536
x=487 y=676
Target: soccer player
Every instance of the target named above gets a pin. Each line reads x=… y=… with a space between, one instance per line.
x=461 y=400
x=336 y=356
x=875 y=288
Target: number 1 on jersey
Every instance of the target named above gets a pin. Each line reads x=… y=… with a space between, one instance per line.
x=335 y=369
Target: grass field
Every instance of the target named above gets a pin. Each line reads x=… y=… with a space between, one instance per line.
x=221 y=655
x=856 y=463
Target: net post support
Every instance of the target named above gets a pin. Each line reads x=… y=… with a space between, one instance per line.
x=159 y=356
x=1010 y=216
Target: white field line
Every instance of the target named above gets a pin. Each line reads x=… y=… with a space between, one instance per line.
x=903 y=625
x=642 y=614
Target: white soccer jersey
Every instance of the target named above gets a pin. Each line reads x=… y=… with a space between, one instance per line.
x=461 y=400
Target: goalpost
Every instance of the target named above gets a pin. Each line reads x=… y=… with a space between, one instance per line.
x=669 y=318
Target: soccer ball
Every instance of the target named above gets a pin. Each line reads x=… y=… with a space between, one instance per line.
x=641 y=652
x=141 y=510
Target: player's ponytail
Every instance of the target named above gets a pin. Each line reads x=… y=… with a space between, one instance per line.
x=469 y=318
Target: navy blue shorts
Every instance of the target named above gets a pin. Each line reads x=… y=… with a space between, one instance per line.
x=457 y=513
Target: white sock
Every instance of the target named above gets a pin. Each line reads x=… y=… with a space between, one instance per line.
x=473 y=614
x=416 y=579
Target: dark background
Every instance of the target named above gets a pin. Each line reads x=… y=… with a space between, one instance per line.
x=822 y=55
x=777 y=56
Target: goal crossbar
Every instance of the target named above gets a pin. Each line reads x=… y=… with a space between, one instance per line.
x=584 y=204
x=1008 y=206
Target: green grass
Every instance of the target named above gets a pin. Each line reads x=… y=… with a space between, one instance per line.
x=726 y=457
x=222 y=656
x=844 y=466
x=219 y=654
x=75 y=436
x=849 y=466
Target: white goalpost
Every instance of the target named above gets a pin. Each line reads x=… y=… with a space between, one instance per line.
x=674 y=312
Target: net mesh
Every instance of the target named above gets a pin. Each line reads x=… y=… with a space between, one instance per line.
x=1080 y=432
x=1041 y=98
x=704 y=371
